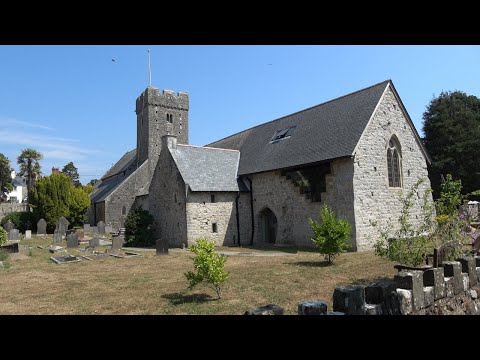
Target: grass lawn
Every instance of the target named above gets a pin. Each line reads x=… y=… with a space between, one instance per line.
x=34 y=284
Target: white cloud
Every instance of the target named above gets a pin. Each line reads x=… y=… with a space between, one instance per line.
x=9 y=121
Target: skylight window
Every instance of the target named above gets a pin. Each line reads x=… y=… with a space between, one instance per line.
x=282 y=134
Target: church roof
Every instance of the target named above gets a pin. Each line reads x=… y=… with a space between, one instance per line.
x=323 y=132
x=208 y=169
x=125 y=161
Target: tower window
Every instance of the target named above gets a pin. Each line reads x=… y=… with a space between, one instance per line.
x=124 y=210
x=170 y=118
x=394 y=163
x=214 y=227
x=212 y=198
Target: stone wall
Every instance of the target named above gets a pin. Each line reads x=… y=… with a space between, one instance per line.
x=202 y=214
x=124 y=195
x=292 y=209
x=167 y=199
x=7 y=208
x=449 y=289
x=374 y=200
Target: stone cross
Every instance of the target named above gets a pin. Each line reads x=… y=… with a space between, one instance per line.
x=41 y=227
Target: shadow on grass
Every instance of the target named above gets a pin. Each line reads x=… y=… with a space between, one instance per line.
x=311 y=263
x=286 y=249
x=181 y=298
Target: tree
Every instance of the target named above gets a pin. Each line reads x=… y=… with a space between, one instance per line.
x=138 y=228
x=5 y=178
x=331 y=235
x=93 y=182
x=210 y=266
x=72 y=172
x=29 y=165
x=451 y=125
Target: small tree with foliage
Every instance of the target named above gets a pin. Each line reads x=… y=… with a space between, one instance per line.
x=331 y=235
x=209 y=266
x=5 y=178
x=72 y=172
x=3 y=236
x=138 y=228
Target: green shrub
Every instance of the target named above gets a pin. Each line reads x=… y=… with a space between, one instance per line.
x=209 y=266
x=22 y=220
x=138 y=228
x=331 y=235
x=450 y=197
x=3 y=236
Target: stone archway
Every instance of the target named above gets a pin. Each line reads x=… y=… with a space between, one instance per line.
x=268 y=222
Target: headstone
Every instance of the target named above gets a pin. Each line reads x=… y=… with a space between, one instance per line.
x=379 y=292
x=101 y=227
x=86 y=227
x=108 y=229
x=80 y=235
x=162 y=246
x=117 y=242
x=349 y=299
x=435 y=277
x=55 y=248
x=449 y=287
x=57 y=236
x=454 y=269
x=270 y=309
x=72 y=241
x=412 y=280
x=405 y=301
x=93 y=230
x=8 y=226
x=41 y=227
x=14 y=234
x=28 y=234
x=312 y=308
x=63 y=225
x=469 y=267
x=428 y=295
x=95 y=241
x=373 y=309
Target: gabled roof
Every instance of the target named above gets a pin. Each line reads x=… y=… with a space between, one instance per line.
x=323 y=132
x=19 y=181
x=106 y=188
x=208 y=169
x=125 y=161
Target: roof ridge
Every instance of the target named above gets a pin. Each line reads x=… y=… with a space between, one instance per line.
x=207 y=147
x=309 y=108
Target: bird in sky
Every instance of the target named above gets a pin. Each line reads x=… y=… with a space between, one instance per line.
x=114 y=60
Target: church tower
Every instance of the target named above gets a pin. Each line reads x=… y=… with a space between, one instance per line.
x=159 y=115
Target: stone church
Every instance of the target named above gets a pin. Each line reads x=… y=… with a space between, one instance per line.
x=356 y=153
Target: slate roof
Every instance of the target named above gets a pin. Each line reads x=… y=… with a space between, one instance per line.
x=208 y=169
x=122 y=164
x=19 y=181
x=323 y=132
x=106 y=188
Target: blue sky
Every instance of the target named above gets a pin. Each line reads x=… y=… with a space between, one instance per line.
x=73 y=103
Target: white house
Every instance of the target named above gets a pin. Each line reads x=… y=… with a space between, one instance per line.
x=19 y=193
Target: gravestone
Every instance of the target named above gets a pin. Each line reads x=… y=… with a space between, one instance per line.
x=14 y=234
x=72 y=241
x=108 y=229
x=28 y=234
x=41 y=227
x=162 y=247
x=63 y=225
x=93 y=230
x=57 y=236
x=8 y=226
x=80 y=235
x=117 y=242
x=95 y=241
x=101 y=227
x=86 y=227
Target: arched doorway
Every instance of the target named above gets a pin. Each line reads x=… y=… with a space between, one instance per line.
x=269 y=226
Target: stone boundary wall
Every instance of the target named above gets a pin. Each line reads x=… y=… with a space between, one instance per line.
x=7 y=208
x=449 y=289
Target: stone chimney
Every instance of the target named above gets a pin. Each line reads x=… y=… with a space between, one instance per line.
x=169 y=141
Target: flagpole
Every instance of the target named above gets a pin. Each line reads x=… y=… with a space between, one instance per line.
x=149 y=68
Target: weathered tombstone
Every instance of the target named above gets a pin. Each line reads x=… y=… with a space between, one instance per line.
x=72 y=241
x=8 y=226
x=95 y=241
x=349 y=299
x=14 y=234
x=86 y=227
x=108 y=229
x=94 y=230
x=101 y=227
x=117 y=242
x=57 y=236
x=41 y=227
x=412 y=280
x=162 y=247
x=28 y=234
x=312 y=308
x=63 y=225
x=80 y=235
x=270 y=309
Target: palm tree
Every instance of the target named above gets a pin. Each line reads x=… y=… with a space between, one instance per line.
x=29 y=165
